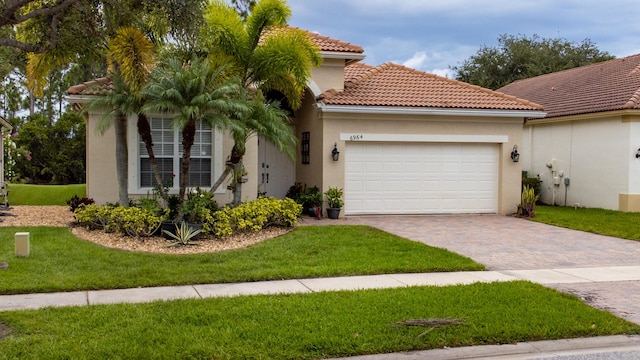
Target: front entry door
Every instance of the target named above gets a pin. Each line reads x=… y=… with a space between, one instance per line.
x=277 y=172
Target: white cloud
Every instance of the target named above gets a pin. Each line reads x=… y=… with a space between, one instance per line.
x=448 y=73
x=418 y=60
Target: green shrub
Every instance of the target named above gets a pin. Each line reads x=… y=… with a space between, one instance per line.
x=93 y=216
x=198 y=206
x=133 y=221
x=256 y=215
x=76 y=201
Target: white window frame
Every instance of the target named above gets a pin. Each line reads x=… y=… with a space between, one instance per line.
x=133 y=140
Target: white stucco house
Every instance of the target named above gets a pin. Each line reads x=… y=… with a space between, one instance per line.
x=409 y=142
x=586 y=150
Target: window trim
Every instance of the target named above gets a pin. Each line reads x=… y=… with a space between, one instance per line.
x=133 y=140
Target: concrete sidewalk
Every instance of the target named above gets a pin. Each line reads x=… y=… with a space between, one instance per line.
x=139 y=295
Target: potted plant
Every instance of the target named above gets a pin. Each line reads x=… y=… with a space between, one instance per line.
x=335 y=202
x=311 y=199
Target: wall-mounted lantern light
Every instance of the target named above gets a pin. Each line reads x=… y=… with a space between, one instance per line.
x=515 y=156
x=335 y=154
x=638 y=154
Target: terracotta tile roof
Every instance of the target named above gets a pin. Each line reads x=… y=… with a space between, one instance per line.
x=99 y=86
x=325 y=43
x=330 y=44
x=605 y=86
x=395 y=85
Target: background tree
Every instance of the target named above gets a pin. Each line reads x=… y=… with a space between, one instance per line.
x=268 y=57
x=521 y=57
x=48 y=13
x=57 y=151
x=88 y=26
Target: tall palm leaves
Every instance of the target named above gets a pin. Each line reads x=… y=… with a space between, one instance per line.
x=198 y=90
x=130 y=55
x=268 y=56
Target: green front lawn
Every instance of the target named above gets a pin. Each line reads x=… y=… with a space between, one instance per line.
x=308 y=326
x=599 y=221
x=38 y=195
x=61 y=262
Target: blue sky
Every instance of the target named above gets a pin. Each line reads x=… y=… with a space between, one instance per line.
x=431 y=35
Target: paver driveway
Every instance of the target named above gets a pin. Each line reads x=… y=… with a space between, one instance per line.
x=509 y=243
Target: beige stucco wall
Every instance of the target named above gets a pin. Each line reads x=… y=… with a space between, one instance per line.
x=102 y=181
x=509 y=172
x=596 y=154
x=306 y=119
x=329 y=75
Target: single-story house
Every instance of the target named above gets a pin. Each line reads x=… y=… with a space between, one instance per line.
x=409 y=142
x=586 y=150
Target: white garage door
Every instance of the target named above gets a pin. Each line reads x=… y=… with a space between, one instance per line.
x=420 y=178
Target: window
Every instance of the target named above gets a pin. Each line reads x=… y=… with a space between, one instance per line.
x=168 y=152
x=304 y=147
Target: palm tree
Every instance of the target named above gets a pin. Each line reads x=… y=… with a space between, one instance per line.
x=267 y=56
x=196 y=91
x=130 y=56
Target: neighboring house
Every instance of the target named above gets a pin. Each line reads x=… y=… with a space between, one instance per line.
x=409 y=142
x=586 y=150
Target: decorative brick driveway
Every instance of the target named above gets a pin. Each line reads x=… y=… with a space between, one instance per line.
x=508 y=243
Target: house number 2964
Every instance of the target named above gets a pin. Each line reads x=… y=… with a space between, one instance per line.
x=356 y=137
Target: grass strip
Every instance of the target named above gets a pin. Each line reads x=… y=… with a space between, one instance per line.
x=619 y=224
x=61 y=262
x=306 y=326
x=41 y=195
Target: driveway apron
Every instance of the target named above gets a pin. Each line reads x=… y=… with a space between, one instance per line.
x=509 y=243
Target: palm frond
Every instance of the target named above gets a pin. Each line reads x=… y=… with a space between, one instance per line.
x=133 y=52
x=265 y=14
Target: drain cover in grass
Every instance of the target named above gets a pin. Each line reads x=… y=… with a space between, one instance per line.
x=4 y=265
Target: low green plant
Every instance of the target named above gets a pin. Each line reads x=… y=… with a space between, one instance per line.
x=256 y=215
x=295 y=191
x=533 y=182
x=183 y=234
x=312 y=197
x=77 y=201
x=334 y=197
x=93 y=216
x=133 y=221
x=527 y=207
x=198 y=207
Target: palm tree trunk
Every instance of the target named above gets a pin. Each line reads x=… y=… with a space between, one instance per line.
x=188 y=135
x=237 y=191
x=122 y=158
x=227 y=170
x=144 y=129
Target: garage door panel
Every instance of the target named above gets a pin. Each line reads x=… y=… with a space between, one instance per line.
x=424 y=178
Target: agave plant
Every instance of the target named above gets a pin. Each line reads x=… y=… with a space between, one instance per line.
x=183 y=235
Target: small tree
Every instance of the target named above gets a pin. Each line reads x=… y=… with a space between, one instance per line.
x=521 y=57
